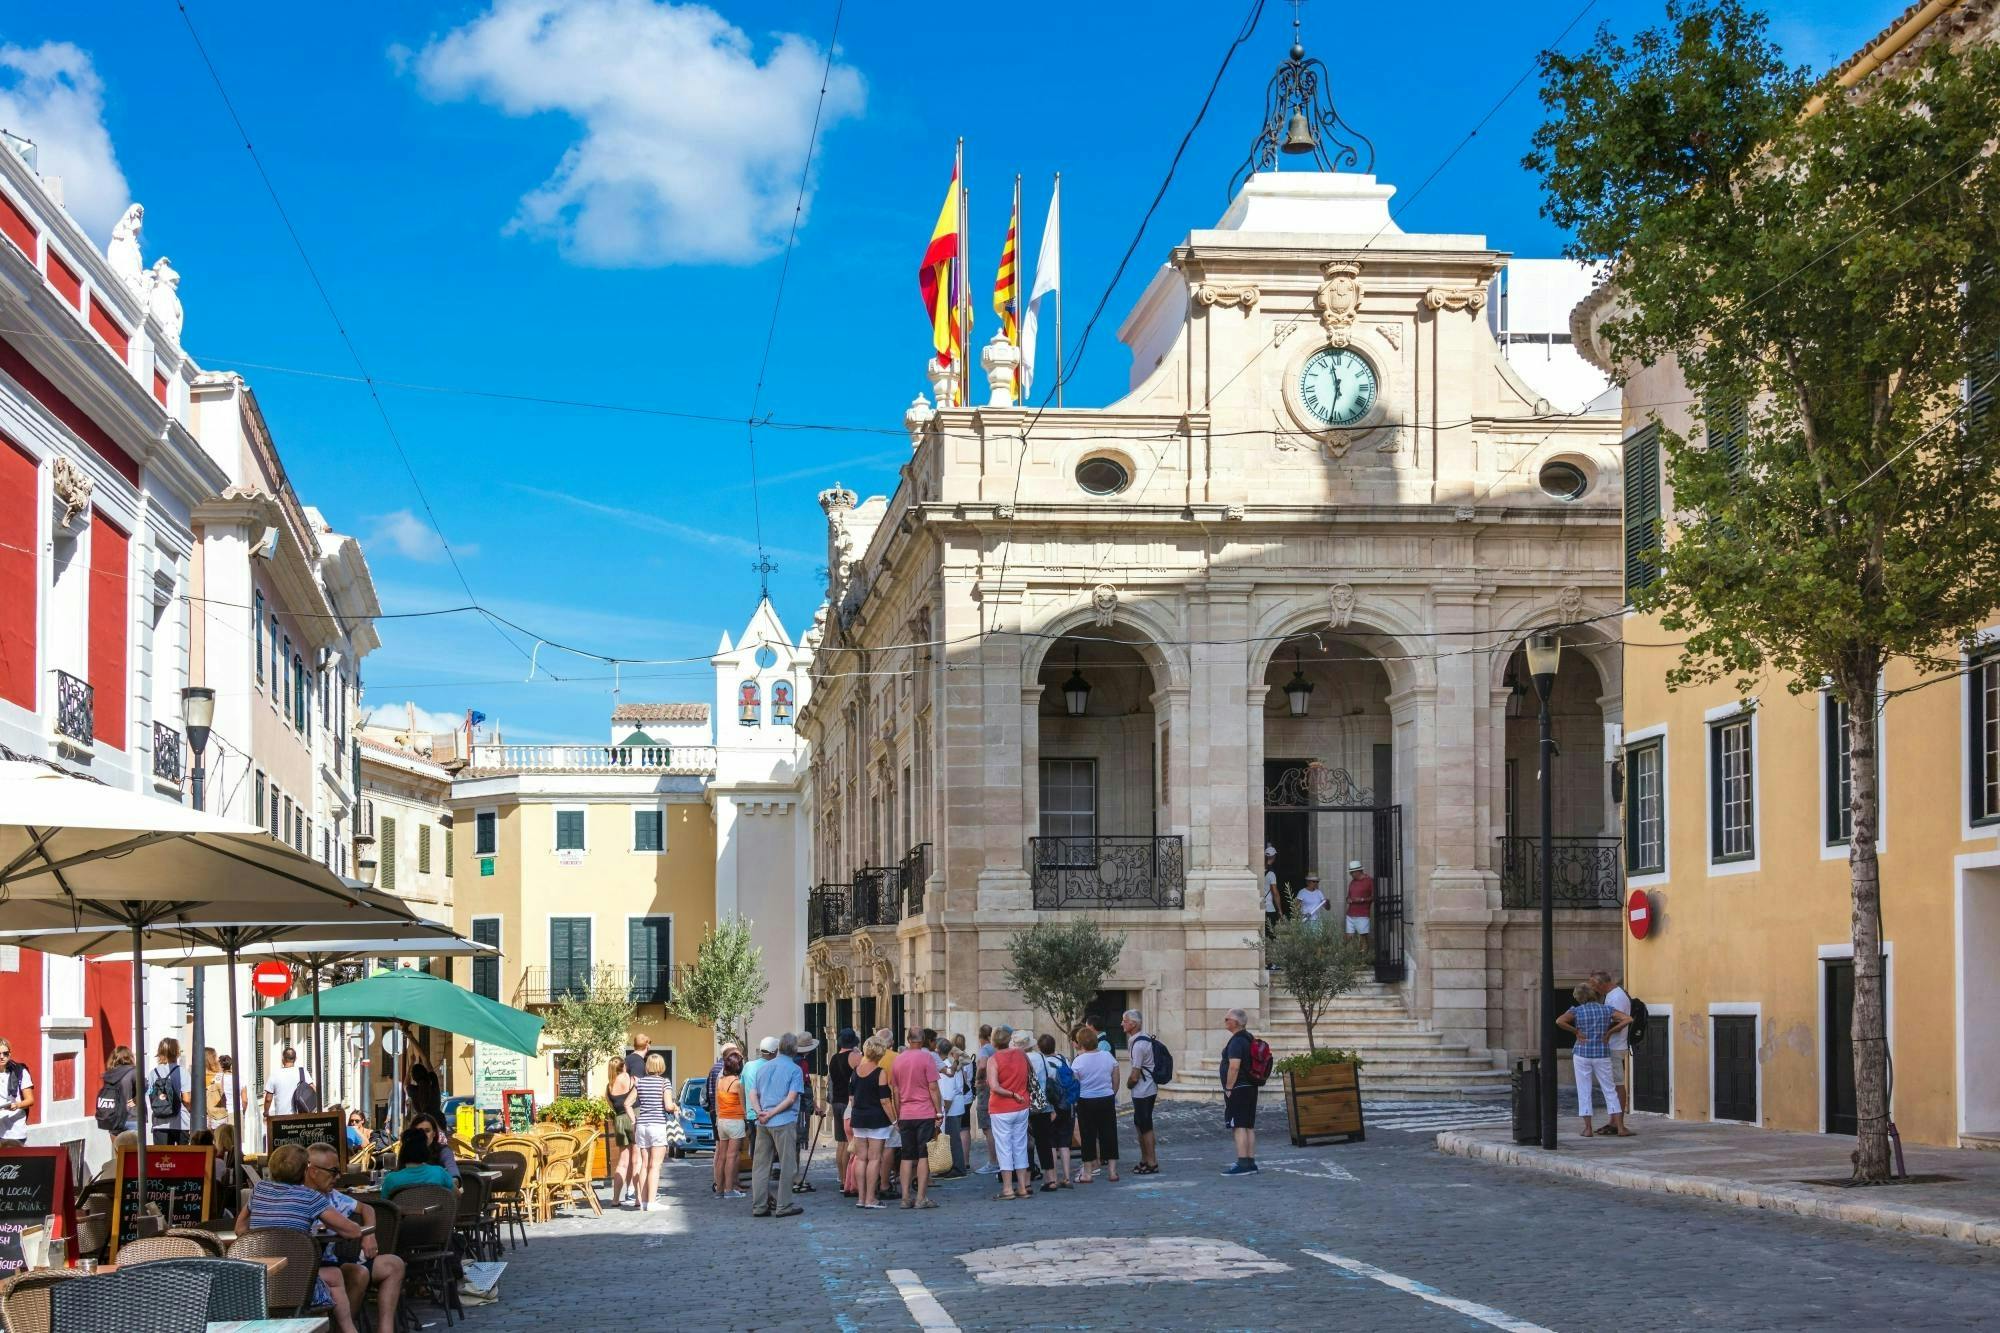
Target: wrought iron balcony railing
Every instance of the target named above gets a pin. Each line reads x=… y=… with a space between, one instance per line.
x=75 y=708
x=1115 y=871
x=878 y=896
x=166 y=752
x=916 y=870
x=1584 y=872
x=827 y=911
x=641 y=985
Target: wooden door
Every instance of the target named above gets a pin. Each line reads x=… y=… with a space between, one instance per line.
x=1735 y=1066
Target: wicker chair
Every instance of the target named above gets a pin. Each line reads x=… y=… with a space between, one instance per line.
x=149 y=1248
x=289 y=1286
x=209 y=1235
x=423 y=1240
x=510 y=1204
x=146 y=1299
x=581 y=1184
x=24 y=1299
x=238 y=1289
x=558 y=1173
x=532 y=1155
x=93 y=1226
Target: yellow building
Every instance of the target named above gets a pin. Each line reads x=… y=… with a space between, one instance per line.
x=1735 y=827
x=576 y=858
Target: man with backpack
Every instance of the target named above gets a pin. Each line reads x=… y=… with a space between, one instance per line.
x=1152 y=1065
x=1612 y=992
x=18 y=1097
x=1246 y=1063
x=289 y=1090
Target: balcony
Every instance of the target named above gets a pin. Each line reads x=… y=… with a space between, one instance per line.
x=673 y=760
x=1132 y=871
x=827 y=911
x=75 y=710
x=1584 y=873
x=877 y=896
x=643 y=985
x=916 y=871
x=166 y=753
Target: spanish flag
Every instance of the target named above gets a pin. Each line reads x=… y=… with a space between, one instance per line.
x=1007 y=287
x=938 y=277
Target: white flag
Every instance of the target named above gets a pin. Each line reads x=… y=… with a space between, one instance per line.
x=1048 y=278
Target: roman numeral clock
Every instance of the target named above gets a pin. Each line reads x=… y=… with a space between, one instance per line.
x=1333 y=386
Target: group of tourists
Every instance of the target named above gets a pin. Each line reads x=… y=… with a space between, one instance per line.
x=1310 y=903
x=1601 y=1021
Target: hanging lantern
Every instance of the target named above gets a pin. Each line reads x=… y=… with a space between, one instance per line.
x=1076 y=690
x=1298 y=691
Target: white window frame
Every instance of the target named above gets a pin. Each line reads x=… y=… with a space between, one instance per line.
x=477 y=812
x=548 y=939
x=1966 y=881
x=1753 y=863
x=673 y=929
x=1738 y=1009
x=633 y=841
x=555 y=828
x=1844 y=949
x=1987 y=639
x=1642 y=736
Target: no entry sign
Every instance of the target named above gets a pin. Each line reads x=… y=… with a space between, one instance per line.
x=271 y=979
x=1639 y=913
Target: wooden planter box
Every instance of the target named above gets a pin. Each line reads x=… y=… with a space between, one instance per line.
x=1323 y=1105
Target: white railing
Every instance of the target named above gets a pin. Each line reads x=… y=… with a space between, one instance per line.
x=686 y=759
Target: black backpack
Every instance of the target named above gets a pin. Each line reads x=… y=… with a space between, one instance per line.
x=1163 y=1060
x=112 y=1102
x=305 y=1097
x=163 y=1101
x=1635 y=1032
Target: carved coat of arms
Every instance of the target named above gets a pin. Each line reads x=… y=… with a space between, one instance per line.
x=1338 y=300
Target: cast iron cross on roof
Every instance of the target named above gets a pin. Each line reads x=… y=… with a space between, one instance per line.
x=764 y=567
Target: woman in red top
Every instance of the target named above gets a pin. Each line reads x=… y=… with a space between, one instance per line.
x=1007 y=1108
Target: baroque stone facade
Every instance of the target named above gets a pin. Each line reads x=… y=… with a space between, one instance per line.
x=1184 y=555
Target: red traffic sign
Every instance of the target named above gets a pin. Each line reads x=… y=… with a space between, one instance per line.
x=1639 y=913
x=271 y=979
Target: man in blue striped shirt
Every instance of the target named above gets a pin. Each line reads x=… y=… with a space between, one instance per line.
x=1593 y=1022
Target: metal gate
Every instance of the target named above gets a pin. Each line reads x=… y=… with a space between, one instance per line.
x=1309 y=790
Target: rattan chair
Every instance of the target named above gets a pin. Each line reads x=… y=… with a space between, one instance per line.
x=428 y=1214
x=238 y=1289
x=532 y=1154
x=212 y=1236
x=147 y=1299
x=288 y=1289
x=93 y=1226
x=149 y=1248
x=580 y=1184
x=509 y=1200
x=24 y=1299
x=558 y=1174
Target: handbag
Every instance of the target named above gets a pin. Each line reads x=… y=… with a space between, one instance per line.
x=1038 y=1093
x=940 y=1153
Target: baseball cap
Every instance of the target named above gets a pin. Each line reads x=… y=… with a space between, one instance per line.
x=768 y=1046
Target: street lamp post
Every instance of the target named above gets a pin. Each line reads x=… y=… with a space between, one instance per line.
x=1544 y=655
x=198 y=714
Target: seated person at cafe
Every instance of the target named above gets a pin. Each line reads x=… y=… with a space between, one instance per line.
x=416 y=1164
x=371 y=1267
x=441 y=1150
x=284 y=1201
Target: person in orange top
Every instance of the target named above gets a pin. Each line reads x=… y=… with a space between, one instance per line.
x=729 y=1126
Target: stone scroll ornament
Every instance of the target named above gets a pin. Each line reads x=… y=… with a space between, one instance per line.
x=1338 y=300
x=1340 y=605
x=1103 y=605
x=1216 y=293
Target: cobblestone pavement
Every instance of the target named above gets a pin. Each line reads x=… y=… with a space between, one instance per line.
x=1386 y=1234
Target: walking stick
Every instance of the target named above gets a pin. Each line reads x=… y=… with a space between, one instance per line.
x=819 y=1123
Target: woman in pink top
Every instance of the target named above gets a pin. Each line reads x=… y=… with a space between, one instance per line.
x=919 y=1110
x=1007 y=1108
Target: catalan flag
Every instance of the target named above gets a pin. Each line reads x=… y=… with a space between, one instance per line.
x=938 y=276
x=1007 y=287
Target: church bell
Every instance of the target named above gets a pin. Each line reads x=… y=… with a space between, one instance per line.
x=1299 y=135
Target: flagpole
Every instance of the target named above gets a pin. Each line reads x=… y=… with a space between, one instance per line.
x=1059 y=291
x=962 y=305
x=1020 y=305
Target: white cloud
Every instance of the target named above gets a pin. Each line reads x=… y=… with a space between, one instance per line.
x=51 y=94
x=398 y=716
x=412 y=538
x=666 y=527
x=691 y=149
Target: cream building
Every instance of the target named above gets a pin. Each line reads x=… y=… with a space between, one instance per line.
x=1053 y=666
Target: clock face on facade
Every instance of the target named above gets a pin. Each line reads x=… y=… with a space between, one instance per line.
x=1337 y=386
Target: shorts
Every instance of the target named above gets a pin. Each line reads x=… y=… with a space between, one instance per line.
x=1010 y=1140
x=839 y=1110
x=882 y=1135
x=1239 y=1107
x=1142 y=1114
x=981 y=1115
x=650 y=1135
x=730 y=1129
x=1356 y=925
x=621 y=1130
x=917 y=1135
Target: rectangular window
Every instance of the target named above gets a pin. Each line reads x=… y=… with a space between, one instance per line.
x=649 y=831
x=1839 y=784
x=569 y=830
x=282 y=668
x=258 y=809
x=1731 y=818
x=285 y=825
x=423 y=849
x=257 y=624
x=651 y=957
x=569 y=956
x=485 y=833
x=385 y=852
x=1983 y=739
x=447 y=853
x=1642 y=508
x=486 y=967
x=1069 y=798
x=277 y=829
x=1645 y=808
x=1728 y=426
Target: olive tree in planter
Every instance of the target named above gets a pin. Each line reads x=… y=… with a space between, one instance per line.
x=588 y=1027
x=1318 y=964
x=1059 y=966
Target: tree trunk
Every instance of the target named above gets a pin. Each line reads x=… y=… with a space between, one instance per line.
x=1311 y=1044
x=1870 y=1029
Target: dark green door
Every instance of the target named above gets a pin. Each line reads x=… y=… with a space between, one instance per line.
x=1838 y=1046
x=1650 y=1077
x=1735 y=1069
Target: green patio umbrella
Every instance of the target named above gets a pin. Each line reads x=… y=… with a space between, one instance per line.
x=404 y=995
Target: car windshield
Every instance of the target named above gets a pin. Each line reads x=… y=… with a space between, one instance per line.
x=691 y=1091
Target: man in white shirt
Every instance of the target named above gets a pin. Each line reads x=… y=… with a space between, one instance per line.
x=284 y=1081
x=1270 y=890
x=17 y=1095
x=1612 y=991
x=1311 y=901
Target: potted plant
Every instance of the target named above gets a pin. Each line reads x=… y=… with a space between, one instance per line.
x=1318 y=964
x=581 y=1115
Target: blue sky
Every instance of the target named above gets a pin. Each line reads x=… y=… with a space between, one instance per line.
x=586 y=200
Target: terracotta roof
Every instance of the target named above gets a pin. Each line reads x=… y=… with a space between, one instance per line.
x=660 y=713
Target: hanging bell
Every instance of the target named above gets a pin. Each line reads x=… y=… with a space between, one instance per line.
x=1299 y=135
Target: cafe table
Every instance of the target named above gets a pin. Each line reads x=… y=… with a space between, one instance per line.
x=314 y=1325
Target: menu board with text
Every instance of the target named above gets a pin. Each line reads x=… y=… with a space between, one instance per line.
x=34 y=1186
x=327 y=1125
x=179 y=1182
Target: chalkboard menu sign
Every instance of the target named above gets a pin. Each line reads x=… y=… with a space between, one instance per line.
x=327 y=1125
x=34 y=1186
x=517 y=1109
x=569 y=1076
x=178 y=1184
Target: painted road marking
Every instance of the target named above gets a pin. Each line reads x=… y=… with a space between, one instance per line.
x=1485 y=1314
x=1076 y=1260
x=924 y=1307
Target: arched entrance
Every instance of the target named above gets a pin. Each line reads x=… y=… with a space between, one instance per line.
x=1329 y=782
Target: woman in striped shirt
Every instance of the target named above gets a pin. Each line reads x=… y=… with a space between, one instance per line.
x=652 y=1103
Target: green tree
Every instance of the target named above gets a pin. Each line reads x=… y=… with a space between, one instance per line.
x=1318 y=964
x=725 y=982
x=591 y=1025
x=1819 y=263
x=1059 y=966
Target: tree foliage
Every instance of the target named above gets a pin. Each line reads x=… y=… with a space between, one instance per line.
x=1319 y=963
x=724 y=984
x=1059 y=966
x=591 y=1025
x=1818 y=262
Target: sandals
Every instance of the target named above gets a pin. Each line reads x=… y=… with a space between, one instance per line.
x=1003 y=1195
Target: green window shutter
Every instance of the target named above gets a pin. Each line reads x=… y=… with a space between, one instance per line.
x=648 y=954
x=569 y=955
x=569 y=830
x=386 y=875
x=447 y=853
x=486 y=970
x=485 y=834
x=1729 y=431
x=647 y=831
x=423 y=849
x=1642 y=508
